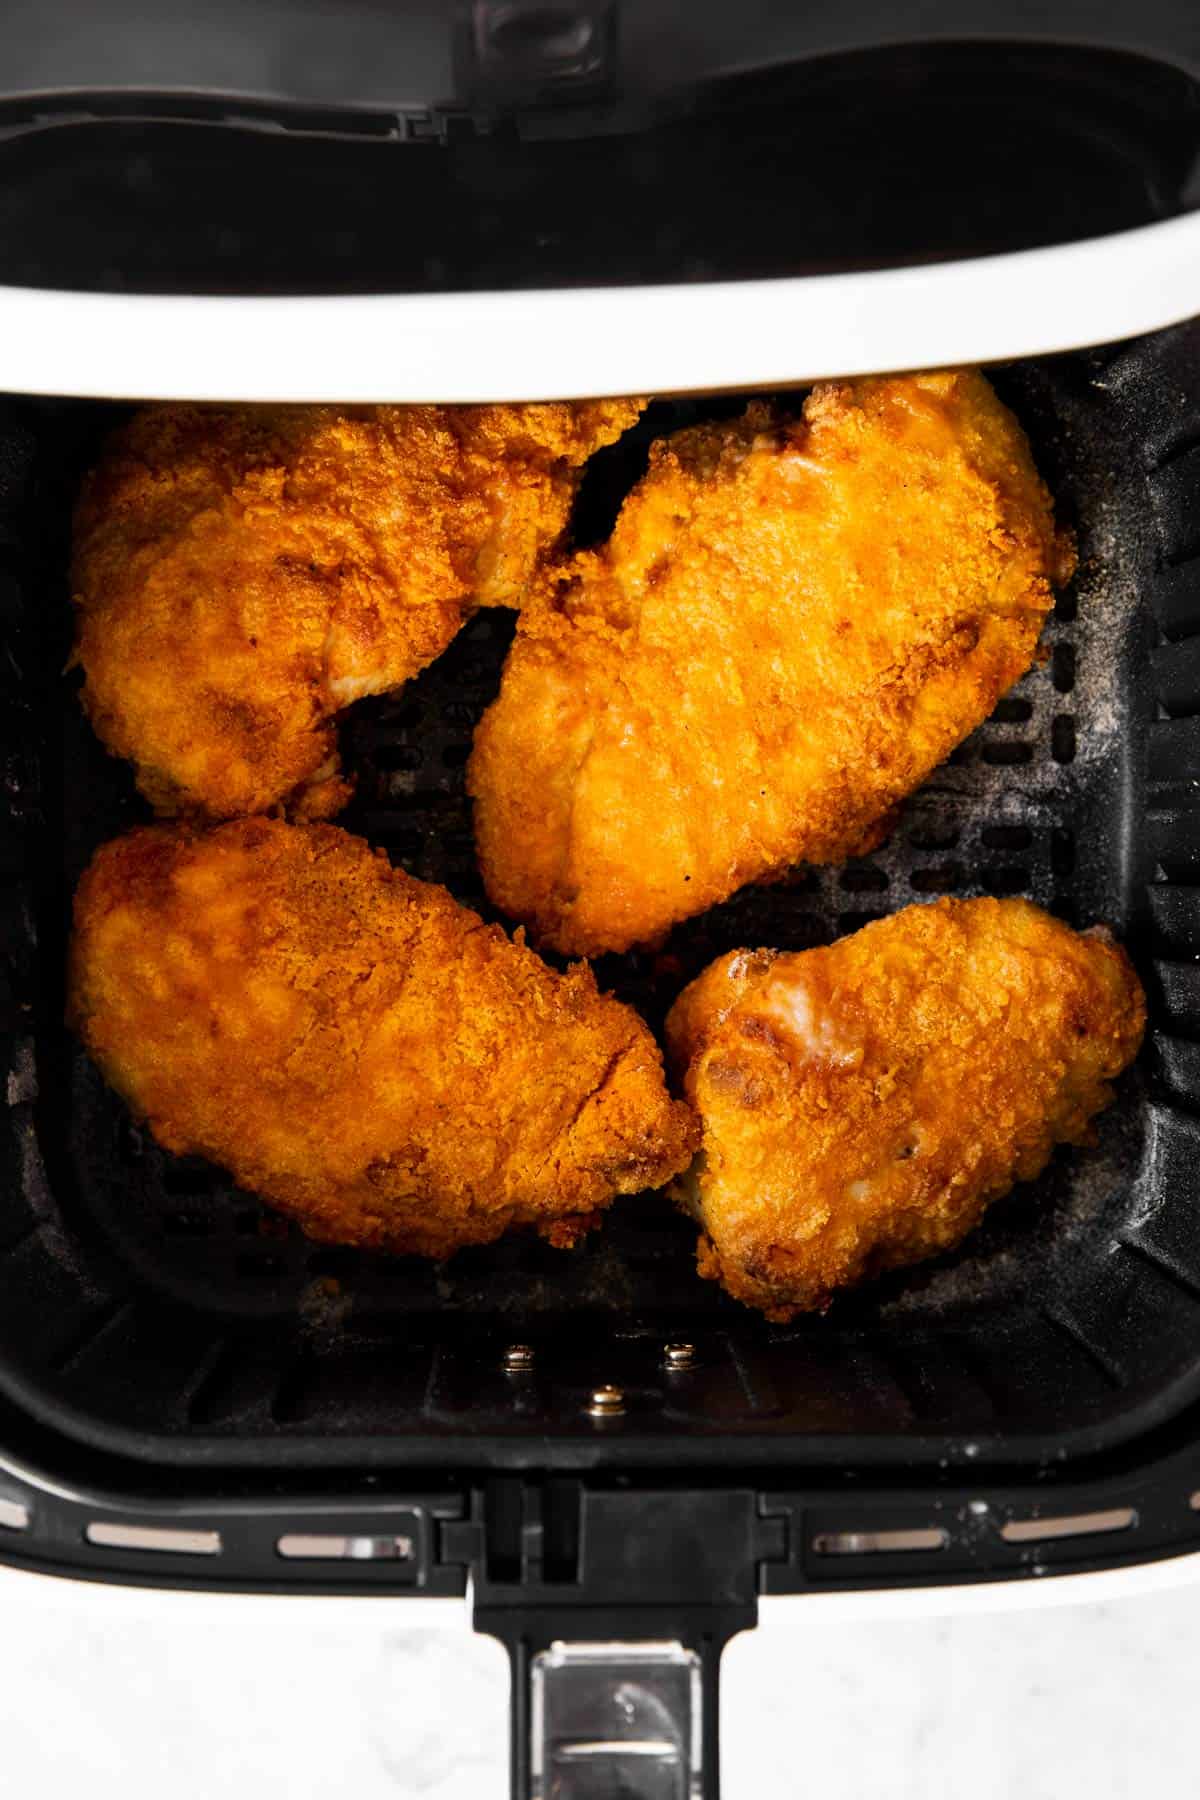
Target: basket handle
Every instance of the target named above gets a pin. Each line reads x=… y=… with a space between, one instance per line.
x=597 y=1714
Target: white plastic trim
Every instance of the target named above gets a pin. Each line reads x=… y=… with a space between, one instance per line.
x=563 y=343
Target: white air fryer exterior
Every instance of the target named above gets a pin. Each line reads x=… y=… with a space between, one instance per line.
x=573 y=343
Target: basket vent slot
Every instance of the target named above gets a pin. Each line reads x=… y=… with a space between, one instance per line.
x=305 y=1546
x=1068 y=1525
x=175 y=1541
x=874 y=1543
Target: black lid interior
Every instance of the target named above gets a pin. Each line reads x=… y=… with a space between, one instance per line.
x=865 y=160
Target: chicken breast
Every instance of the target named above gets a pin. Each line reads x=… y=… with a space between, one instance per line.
x=862 y=1105
x=241 y=574
x=793 y=623
x=355 y=1046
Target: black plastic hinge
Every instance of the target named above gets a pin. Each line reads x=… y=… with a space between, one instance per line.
x=565 y=1544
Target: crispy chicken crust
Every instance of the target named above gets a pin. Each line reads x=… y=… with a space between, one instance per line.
x=356 y=1047
x=793 y=623
x=861 y=1105
x=241 y=574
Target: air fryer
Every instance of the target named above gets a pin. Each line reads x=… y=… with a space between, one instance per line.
x=526 y=201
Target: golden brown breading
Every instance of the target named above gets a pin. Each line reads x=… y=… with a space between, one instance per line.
x=861 y=1105
x=241 y=574
x=792 y=624
x=357 y=1047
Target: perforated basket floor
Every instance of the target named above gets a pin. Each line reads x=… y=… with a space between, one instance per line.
x=147 y=1305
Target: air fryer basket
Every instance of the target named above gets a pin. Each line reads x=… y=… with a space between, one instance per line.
x=151 y=1308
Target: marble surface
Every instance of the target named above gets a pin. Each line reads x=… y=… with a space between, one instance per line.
x=1086 y=1702
x=120 y=1695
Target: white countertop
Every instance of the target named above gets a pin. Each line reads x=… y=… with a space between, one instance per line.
x=120 y=1694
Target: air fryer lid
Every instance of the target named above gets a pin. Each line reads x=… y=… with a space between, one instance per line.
x=506 y=144
x=626 y=198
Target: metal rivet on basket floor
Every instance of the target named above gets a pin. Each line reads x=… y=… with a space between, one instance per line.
x=679 y=1356
x=518 y=1358
x=606 y=1403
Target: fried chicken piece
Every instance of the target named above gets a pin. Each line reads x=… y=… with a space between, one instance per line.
x=793 y=622
x=241 y=574
x=862 y=1105
x=355 y=1046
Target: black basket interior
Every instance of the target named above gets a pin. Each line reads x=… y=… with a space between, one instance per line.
x=148 y=1306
